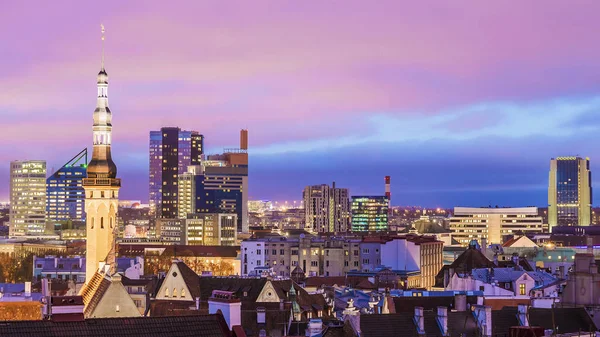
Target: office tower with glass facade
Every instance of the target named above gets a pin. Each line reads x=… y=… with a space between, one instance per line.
x=222 y=187
x=172 y=150
x=65 y=197
x=327 y=209
x=369 y=213
x=27 y=214
x=569 y=192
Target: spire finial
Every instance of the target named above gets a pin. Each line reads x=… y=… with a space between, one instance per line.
x=102 y=27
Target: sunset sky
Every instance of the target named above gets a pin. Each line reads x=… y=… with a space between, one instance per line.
x=461 y=102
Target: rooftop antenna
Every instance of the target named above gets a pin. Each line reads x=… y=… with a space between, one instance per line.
x=102 y=64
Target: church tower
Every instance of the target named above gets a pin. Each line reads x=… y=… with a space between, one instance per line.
x=101 y=185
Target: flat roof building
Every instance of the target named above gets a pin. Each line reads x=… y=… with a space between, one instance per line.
x=492 y=224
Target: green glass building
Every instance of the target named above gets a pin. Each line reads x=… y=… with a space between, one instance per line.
x=369 y=213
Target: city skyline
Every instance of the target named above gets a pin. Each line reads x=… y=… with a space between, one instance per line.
x=463 y=112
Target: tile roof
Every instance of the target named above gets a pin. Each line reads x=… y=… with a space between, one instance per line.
x=180 y=326
x=566 y=320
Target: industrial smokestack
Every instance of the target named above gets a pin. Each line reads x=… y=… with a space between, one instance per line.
x=244 y=139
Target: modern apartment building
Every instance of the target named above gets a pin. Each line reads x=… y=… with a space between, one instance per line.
x=65 y=196
x=337 y=255
x=493 y=224
x=210 y=230
x=207 y=229
x=369 y=213
x=327 y=209
x=27 y=215
x=313 y=255
x=569 y=192
x=172 y=150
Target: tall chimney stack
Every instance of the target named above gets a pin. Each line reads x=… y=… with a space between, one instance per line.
x=244 y=139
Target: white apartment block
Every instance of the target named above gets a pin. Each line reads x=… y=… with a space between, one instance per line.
x=492 y=224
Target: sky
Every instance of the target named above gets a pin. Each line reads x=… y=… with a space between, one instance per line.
x=462 y=103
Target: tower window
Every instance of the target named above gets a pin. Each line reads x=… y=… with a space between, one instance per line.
x=101 y=222
x=92 y=227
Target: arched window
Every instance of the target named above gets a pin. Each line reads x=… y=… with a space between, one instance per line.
x=166 y=292
x=92 y=222
x=182 y=292
x=174 y=292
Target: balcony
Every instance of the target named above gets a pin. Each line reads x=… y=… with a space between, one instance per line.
x=102 y=182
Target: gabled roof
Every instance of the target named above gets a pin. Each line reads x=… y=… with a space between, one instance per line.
x=520 y=241
x=181 y=326
x=191 y=279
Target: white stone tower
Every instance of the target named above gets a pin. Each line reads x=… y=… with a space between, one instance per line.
x=101 y=185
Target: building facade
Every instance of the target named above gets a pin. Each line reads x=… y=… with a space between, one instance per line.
x=369 y=213
x=327 y=209
x=210 y=229
x=569 y=192
x=492 y=224
x=27 y=215
x=171 y=151
x=64 y=192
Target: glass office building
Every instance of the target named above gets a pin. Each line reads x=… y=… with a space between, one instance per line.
x=65 y=197
x=369 y=213
x=171 y=151
x=569 y=192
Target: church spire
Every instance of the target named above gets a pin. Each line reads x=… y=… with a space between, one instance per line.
x=102 y=64
x=101 y=185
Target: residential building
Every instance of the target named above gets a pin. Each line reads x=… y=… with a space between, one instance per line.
x=27 y=214
x=210 y=229
x=170 y=230
x=493 y=224
x=73 y=268
x=172 y=150
x=569 y=192
x=369 y=213
x=186 y=191
x=326 y=208
x=414 y=253
x=263 y=306
x=314 y=256
x=65 y=197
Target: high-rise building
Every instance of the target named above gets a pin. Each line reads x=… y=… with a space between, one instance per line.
x=369 y=213
x=172 y=150
x=218 y=185
x=27 y=215
x=569 y=192
x=64 y=190
x=101 y=185
x=326 y=208
x=493 y=224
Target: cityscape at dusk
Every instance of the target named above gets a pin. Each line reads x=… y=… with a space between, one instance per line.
x=454 y=103
x=299 y=169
